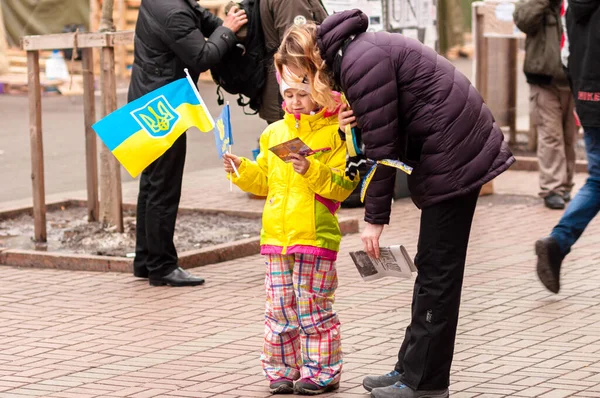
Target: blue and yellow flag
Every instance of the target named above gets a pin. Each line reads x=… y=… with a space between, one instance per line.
x=223 y=136
x=141 y=131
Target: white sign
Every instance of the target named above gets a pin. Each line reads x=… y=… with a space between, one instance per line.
x=415 y=19
x=411 y=13
x=372 y=8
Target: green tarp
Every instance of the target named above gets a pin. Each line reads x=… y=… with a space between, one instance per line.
x=40 y=17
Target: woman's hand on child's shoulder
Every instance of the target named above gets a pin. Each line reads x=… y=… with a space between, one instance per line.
x=228 y=158
x=345 y=117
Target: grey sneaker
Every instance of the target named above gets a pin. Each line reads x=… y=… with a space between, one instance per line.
x=400 y=390
x=371 y=382
x=308 y=387
x=281 y=386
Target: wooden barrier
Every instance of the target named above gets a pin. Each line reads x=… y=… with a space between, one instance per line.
x=106 y=42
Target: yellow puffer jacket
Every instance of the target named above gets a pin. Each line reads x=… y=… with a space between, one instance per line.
x=299 y=214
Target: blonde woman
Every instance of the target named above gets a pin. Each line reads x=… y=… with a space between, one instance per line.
x=413 y=105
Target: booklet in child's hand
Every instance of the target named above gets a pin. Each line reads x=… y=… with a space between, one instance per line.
x=393 y=261
x=295 y=145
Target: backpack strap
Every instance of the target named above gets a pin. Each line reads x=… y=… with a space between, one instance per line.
x=240 y=102
x=220 y=96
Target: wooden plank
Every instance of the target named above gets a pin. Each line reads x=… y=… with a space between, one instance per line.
x=111 y=198
x=123 y=38
x=513 y=70
x=84 y=40
x=89 y=118
x=37 y=147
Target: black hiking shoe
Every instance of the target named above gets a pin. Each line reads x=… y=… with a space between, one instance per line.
x=548 y=264
x=281 y=386
x=309 y=387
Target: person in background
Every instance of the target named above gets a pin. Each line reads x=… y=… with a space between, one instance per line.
x=170 y=35
x=551 y=101
x=276 y=17
x=583 y=53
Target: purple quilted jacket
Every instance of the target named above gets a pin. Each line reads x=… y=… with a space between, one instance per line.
x=412 y=105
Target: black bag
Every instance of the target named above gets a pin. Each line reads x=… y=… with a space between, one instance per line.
x=243 y=70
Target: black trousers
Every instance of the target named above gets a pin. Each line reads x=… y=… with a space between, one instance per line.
x=158 y=202
x=426 y=353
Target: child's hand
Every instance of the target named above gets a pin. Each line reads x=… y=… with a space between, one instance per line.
x=227 y=159
x=300 y=163
x=345 y=117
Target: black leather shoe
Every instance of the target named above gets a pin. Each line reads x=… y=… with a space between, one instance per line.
x=549 y=262
x=178 y=277
x=554 y=201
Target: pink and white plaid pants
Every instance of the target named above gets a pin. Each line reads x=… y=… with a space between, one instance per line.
x=302 y=331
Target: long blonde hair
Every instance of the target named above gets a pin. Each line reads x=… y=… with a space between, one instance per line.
x=299 y=51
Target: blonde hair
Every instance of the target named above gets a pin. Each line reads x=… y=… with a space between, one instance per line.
x=299 y=51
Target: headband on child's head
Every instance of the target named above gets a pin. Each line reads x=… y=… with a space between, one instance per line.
x=288 y=83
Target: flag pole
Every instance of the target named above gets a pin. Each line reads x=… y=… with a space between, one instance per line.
x=230 y=176
x=197 y=93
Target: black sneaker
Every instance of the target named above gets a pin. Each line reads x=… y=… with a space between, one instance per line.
x=567 y=197
x=554 y=201
x=548 y=264
x=308 y=387
x=281 y=386
x=371 y=382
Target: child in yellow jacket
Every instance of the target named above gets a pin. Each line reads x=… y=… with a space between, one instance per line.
x=300 y=237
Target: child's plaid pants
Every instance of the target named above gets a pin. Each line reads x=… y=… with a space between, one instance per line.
x=302 y=332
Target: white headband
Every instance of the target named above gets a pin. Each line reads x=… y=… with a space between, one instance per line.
x=285 y=85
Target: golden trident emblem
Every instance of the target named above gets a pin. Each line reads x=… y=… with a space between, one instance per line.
x=224 y=141
x=161 y=120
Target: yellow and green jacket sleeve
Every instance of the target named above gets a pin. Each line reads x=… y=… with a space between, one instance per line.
x=328 y=179
x=253 y=175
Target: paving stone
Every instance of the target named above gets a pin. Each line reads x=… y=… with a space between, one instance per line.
x=85 y=334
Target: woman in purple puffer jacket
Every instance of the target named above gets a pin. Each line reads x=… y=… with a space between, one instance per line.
x=411 y=105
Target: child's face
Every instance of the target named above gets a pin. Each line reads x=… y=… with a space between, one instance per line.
x=299 y=101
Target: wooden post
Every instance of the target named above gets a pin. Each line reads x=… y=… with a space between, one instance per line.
x=111 y=201
x=481 y=53
x=513 y=70
x=36 y=143
x=89 y=117
x=480 y=68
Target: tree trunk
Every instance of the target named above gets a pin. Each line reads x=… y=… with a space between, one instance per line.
x=106 y=20
x=111 y=200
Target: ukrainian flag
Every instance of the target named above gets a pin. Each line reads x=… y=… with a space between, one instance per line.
x=141 y=131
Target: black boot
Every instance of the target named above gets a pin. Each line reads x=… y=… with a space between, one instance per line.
x=549 y=261
x=178 y=277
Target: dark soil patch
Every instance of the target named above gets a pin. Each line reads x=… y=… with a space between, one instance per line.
x=69 y=231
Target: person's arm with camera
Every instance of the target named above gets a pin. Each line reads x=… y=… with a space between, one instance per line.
x=188 y=41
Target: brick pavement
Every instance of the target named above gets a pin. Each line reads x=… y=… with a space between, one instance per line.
x=82 y=334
